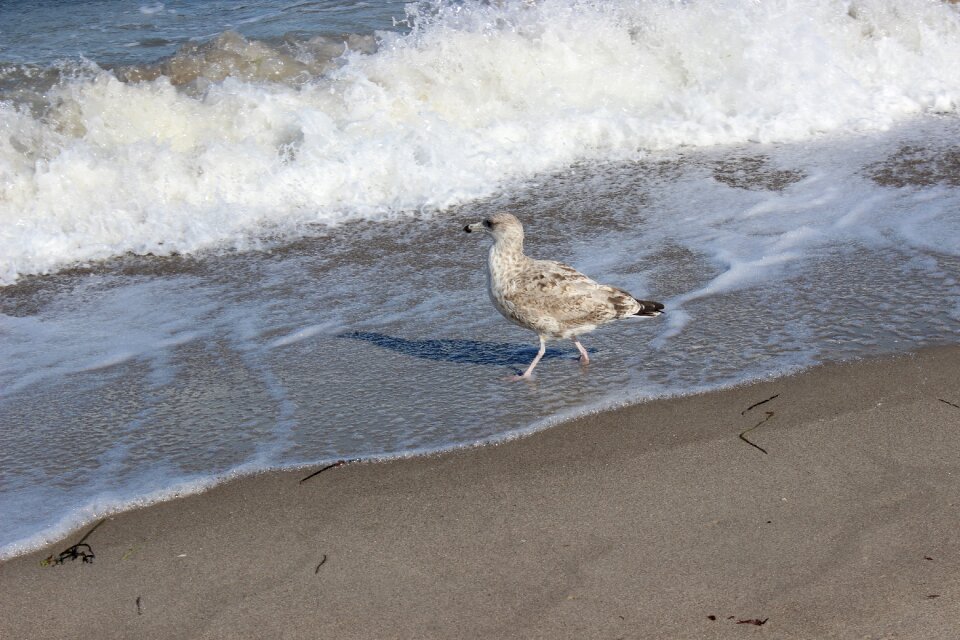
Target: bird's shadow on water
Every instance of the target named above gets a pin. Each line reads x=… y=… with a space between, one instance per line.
x=460 y=351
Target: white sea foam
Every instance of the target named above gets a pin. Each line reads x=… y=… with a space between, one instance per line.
x=70 y=340
x=304 y=333
x=150 y=9
x=474 y=96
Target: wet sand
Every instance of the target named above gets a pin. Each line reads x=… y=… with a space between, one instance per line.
x=835 y=515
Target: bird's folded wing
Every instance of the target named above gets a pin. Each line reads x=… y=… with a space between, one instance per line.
x=561 y=292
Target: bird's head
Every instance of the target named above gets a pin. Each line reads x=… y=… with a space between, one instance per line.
x=502 y=226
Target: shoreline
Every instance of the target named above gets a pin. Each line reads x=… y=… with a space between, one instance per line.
x=194 y=486
x=821 y=504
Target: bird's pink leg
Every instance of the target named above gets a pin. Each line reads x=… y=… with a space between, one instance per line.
x=584 y=358
x=543 y=349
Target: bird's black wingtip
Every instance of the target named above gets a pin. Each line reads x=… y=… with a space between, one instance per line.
x=650 y=309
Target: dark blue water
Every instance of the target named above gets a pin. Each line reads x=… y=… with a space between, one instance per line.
x=116 y=32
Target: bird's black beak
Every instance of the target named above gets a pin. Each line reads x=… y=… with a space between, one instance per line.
x=467 y=229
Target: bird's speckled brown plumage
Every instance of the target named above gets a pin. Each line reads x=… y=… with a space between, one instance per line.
x=548 y=297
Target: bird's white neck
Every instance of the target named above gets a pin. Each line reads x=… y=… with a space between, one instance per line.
x=507 y=246
x=505 y=260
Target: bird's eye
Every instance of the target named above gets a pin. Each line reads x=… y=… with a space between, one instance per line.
x=487 y=224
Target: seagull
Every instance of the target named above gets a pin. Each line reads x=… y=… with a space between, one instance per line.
x=548 y=297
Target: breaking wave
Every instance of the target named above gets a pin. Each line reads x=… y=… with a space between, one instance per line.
x=233 y=139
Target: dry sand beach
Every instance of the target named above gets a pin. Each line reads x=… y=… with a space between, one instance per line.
x=651 y=521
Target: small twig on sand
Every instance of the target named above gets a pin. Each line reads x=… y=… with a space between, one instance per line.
x=322 y=562
x=757 y=404
x=139 y=609
x=955 y=406
x=338 y=463
x=755 y=621
x=92 y=529
x=743 y=434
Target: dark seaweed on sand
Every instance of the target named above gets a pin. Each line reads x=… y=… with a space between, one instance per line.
x=80 y=550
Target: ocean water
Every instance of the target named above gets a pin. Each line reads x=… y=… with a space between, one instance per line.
x=231 y=233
